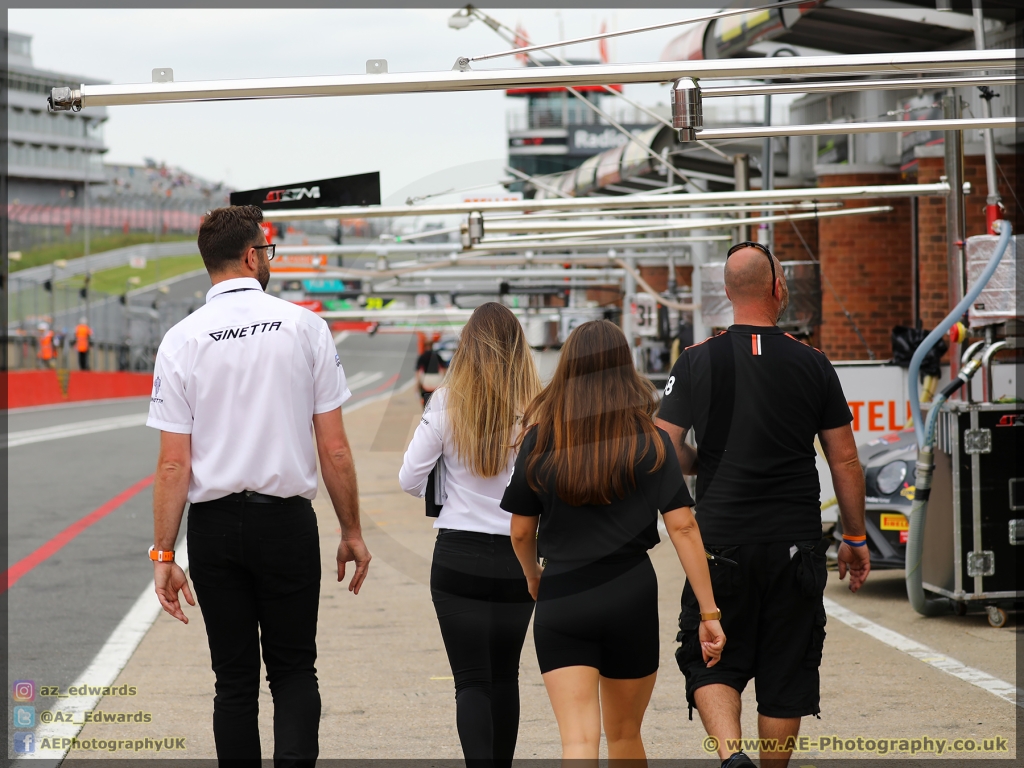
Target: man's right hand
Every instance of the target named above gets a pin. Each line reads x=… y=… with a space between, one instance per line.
x=169 y=579
x=353 y=548
x=712 y=642
x=856 y=560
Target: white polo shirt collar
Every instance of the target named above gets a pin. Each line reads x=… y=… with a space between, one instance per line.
x=234 y=284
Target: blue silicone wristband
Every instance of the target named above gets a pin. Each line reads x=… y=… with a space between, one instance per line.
x=854 y=543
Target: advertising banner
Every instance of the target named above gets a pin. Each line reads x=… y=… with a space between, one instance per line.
x=361 y=189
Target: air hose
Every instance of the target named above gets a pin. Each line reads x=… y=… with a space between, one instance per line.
x=926 y=434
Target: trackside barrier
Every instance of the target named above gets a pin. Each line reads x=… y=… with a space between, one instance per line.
x=27 y=388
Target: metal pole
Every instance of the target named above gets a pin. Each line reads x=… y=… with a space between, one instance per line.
x=846 y=86
x=159 y=226
x=741 y=174
x=915 y=266
x=5 y=268
x=954 y=158
x=528 y=77
x=826 y=129
x=628 y=291
x=625 y=202
x=53 y=295
x=766 y=232
x=85 y=202
x=992 y=207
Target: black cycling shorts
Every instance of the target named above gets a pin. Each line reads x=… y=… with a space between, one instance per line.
x=602 y=615
x=773 y=617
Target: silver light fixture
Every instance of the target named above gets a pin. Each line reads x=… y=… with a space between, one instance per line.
x=687 y=113
x=476 y=227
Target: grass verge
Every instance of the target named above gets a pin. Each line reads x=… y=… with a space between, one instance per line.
x=75 y=249
x=115 y=281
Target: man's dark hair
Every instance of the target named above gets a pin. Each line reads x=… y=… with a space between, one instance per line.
x=226 y=233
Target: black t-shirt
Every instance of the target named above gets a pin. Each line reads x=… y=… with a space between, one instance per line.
x=625 y=528
x=429 y=362
x=755 y=397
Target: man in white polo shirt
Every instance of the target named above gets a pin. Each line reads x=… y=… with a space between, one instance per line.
x=242 y=387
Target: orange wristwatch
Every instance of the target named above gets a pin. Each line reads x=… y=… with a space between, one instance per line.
x=161 y=555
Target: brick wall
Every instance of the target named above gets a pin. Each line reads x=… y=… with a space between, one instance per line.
x=932 y=260
x=788 y=245
x=657 y=277
x=866 y=260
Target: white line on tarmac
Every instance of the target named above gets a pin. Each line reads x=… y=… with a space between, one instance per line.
x=60 y=431
x=115 y=653
x=364 y=379
x=340 y=337
x=931 y=657
x=101 y=673
x=78 y=404
x=377 y=398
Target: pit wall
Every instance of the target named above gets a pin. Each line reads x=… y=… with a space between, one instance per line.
x=28 y=388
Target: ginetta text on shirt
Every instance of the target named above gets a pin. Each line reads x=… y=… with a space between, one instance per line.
x=245 y=330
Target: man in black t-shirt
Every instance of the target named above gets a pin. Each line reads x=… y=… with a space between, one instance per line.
x=756 y=398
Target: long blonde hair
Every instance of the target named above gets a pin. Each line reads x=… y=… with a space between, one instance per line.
x=491 y=380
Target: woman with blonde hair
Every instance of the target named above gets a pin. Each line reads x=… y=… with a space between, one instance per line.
x=594 y=471
x=478 y=588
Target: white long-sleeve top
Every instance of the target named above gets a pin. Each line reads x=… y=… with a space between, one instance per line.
x=472 y=501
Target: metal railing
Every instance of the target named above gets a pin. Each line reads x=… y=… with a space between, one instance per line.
x=526 y=77
x=23 y=355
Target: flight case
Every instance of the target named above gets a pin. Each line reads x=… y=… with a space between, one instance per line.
x=976 y=511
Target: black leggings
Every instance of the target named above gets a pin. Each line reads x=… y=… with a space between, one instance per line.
x=484 y=609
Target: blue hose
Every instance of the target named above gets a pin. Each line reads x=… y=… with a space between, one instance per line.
x=926 y=436
x=1005 y=232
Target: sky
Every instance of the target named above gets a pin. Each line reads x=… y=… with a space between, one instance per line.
x=420 y=143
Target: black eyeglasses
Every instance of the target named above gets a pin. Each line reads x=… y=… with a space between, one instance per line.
x=762 y=248
x=273 y=247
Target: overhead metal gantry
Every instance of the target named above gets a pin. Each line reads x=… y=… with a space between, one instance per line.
x=170 y=92
x=691 y=81
x=626 y=202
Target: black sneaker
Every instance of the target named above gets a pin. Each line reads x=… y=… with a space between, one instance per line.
x=737 y=760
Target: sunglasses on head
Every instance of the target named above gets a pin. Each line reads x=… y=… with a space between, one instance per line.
x=762 y=248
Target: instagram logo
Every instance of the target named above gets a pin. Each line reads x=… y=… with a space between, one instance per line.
x=24 y=690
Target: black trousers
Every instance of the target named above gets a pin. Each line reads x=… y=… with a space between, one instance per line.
x=484 y=608
x=83 y=361
x=256 y=571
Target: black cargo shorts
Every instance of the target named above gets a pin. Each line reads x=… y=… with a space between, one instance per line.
x=773 y=616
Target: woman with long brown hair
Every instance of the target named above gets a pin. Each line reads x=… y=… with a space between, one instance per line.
x=481 y=597
x=593 y=472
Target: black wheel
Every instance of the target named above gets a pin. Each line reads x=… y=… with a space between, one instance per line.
x=960 y=608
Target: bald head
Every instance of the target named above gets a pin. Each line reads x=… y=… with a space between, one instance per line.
x=748 y=282
x=748 y=275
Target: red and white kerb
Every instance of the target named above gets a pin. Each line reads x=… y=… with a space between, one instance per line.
x=755 y=343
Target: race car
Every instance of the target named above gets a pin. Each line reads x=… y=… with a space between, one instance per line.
x=889 y=465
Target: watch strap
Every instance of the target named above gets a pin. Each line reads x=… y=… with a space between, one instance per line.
x=711 y=616
x=161 y=555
